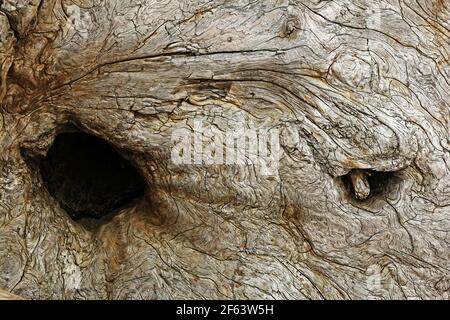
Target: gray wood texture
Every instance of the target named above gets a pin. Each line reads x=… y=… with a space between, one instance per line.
x=354 y=88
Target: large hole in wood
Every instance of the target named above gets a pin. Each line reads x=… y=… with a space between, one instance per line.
x=88 y=177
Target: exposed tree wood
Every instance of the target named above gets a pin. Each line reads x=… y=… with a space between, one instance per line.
x=5 y=295
x=358 y=91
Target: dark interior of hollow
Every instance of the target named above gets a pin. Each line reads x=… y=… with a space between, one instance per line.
x=380 y=183
x=89 y=177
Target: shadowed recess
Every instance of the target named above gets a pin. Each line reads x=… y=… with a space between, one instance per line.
x=89 y=177
x=369 y=183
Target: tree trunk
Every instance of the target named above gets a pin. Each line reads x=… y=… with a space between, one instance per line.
x=335 y=185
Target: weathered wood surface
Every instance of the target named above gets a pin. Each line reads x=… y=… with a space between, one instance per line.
x=5 y=295
x=350 y=85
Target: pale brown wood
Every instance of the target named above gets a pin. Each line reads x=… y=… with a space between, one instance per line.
x=5 y=295
x=359 y=91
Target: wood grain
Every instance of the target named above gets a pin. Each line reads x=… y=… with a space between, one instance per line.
x=353 y=87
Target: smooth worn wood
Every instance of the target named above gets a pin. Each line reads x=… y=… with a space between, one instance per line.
x=5 y=295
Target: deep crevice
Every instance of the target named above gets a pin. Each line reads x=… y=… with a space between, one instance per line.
x=89 y=177
x=380 y=184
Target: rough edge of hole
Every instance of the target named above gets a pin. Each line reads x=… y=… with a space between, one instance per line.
x=35 y=161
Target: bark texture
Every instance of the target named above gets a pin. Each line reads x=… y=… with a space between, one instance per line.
x=357 y=89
